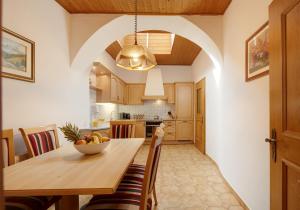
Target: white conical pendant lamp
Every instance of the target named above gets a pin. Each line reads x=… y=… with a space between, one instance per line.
x=135 y=57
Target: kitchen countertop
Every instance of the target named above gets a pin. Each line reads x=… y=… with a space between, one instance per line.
x=103 y=126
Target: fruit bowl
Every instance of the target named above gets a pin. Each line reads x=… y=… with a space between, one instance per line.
x=91 y=149
x=87 y=144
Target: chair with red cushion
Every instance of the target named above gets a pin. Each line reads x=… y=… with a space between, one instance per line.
x=21 y=202
x=137 y=187
x=122 y=129
x=40 y=139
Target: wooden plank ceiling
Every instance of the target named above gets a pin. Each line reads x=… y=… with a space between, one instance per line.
x=149 y=7
x=183 y=51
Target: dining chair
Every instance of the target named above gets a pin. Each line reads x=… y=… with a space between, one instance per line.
x=39 y=140
x=137 y=186
x=122 y=129
x=21 y=202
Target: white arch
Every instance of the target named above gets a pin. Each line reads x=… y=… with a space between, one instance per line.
x=121 y=26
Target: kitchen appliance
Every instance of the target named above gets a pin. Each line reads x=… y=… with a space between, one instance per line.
x=124 y=116
x=151 y=126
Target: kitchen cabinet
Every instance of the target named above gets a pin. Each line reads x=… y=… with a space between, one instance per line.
x=184 y=101
x=114 y=84
x=184 y=129
x=120 y=91
x=110 y=89
x=140 y=129
x=135 y=93
x=170 y=92
x=169 y=130
x=125 y=94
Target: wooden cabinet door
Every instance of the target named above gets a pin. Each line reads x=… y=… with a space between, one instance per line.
x=184 y=101
x=125 y=94
x=120 y=92
x=114 y=89
x=104 y=84
x=285 y=104
x=135 y=93
x=140 y=130
x=169 y=130
x=184 y=129
x=170 y=92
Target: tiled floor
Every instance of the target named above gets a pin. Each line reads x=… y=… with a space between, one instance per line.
x=188 y=180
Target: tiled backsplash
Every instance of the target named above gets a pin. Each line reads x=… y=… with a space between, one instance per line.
x=109 y=110
x=149 y=109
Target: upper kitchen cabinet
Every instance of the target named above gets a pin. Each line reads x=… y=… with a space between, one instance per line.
x=135 y=93
x=117 y=90
x=169 y=89
x=111 y=89
x=184 y=100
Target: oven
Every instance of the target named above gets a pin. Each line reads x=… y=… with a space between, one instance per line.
x=151 y=125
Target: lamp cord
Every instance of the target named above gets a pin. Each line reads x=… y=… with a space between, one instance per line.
x=135 y=24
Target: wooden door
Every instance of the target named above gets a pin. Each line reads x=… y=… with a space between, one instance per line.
x=114 y=89
x=184 y=101
x=285 y=104
x=200 y=115
x=184 y=129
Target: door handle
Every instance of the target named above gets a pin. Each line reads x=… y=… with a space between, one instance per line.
x=273 y=143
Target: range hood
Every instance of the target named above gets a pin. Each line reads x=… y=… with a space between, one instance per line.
x=154 y=86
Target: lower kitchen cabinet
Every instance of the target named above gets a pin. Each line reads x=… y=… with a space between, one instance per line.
x=169 y=130
x=184 y=130
x=140 y=129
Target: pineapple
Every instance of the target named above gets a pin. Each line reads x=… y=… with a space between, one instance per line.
x=71 y=132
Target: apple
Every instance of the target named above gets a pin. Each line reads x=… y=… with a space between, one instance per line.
x=81 y=141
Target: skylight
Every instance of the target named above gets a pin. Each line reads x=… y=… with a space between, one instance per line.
x=157 y=43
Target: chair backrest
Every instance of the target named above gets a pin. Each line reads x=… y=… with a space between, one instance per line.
x=122 y=129
x=8 y=148
x=40 y=139
x=151 y=167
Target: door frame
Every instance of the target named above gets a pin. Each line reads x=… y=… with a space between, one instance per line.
x=202 y=84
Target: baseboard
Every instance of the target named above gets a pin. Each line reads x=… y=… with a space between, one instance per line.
x=242 y=203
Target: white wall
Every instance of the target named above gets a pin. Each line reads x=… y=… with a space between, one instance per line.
x=58 y=94
x=238 y=112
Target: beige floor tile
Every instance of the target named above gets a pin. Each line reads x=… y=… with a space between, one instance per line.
x=187 y=180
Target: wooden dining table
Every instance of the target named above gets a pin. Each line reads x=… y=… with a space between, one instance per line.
x=68 y=173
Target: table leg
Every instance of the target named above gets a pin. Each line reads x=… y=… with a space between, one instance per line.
x=70 y=202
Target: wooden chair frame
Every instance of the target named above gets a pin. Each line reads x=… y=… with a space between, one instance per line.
x=123 y=122
x=27 y=131
x=8 y=135
x=151 y=169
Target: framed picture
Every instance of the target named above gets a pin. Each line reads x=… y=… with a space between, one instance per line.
x=17 y=56
x=257 y=53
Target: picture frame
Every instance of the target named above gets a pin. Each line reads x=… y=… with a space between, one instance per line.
x=257 y=54
x=18 y=56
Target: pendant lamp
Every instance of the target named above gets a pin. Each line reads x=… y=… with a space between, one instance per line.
x=135 y=57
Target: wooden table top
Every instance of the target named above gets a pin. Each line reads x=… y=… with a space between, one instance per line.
x=65 y=171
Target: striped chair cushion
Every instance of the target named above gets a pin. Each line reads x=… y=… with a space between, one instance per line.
x=42 y=142
x=30 y=202
x=122 y=131
x=127 y=196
